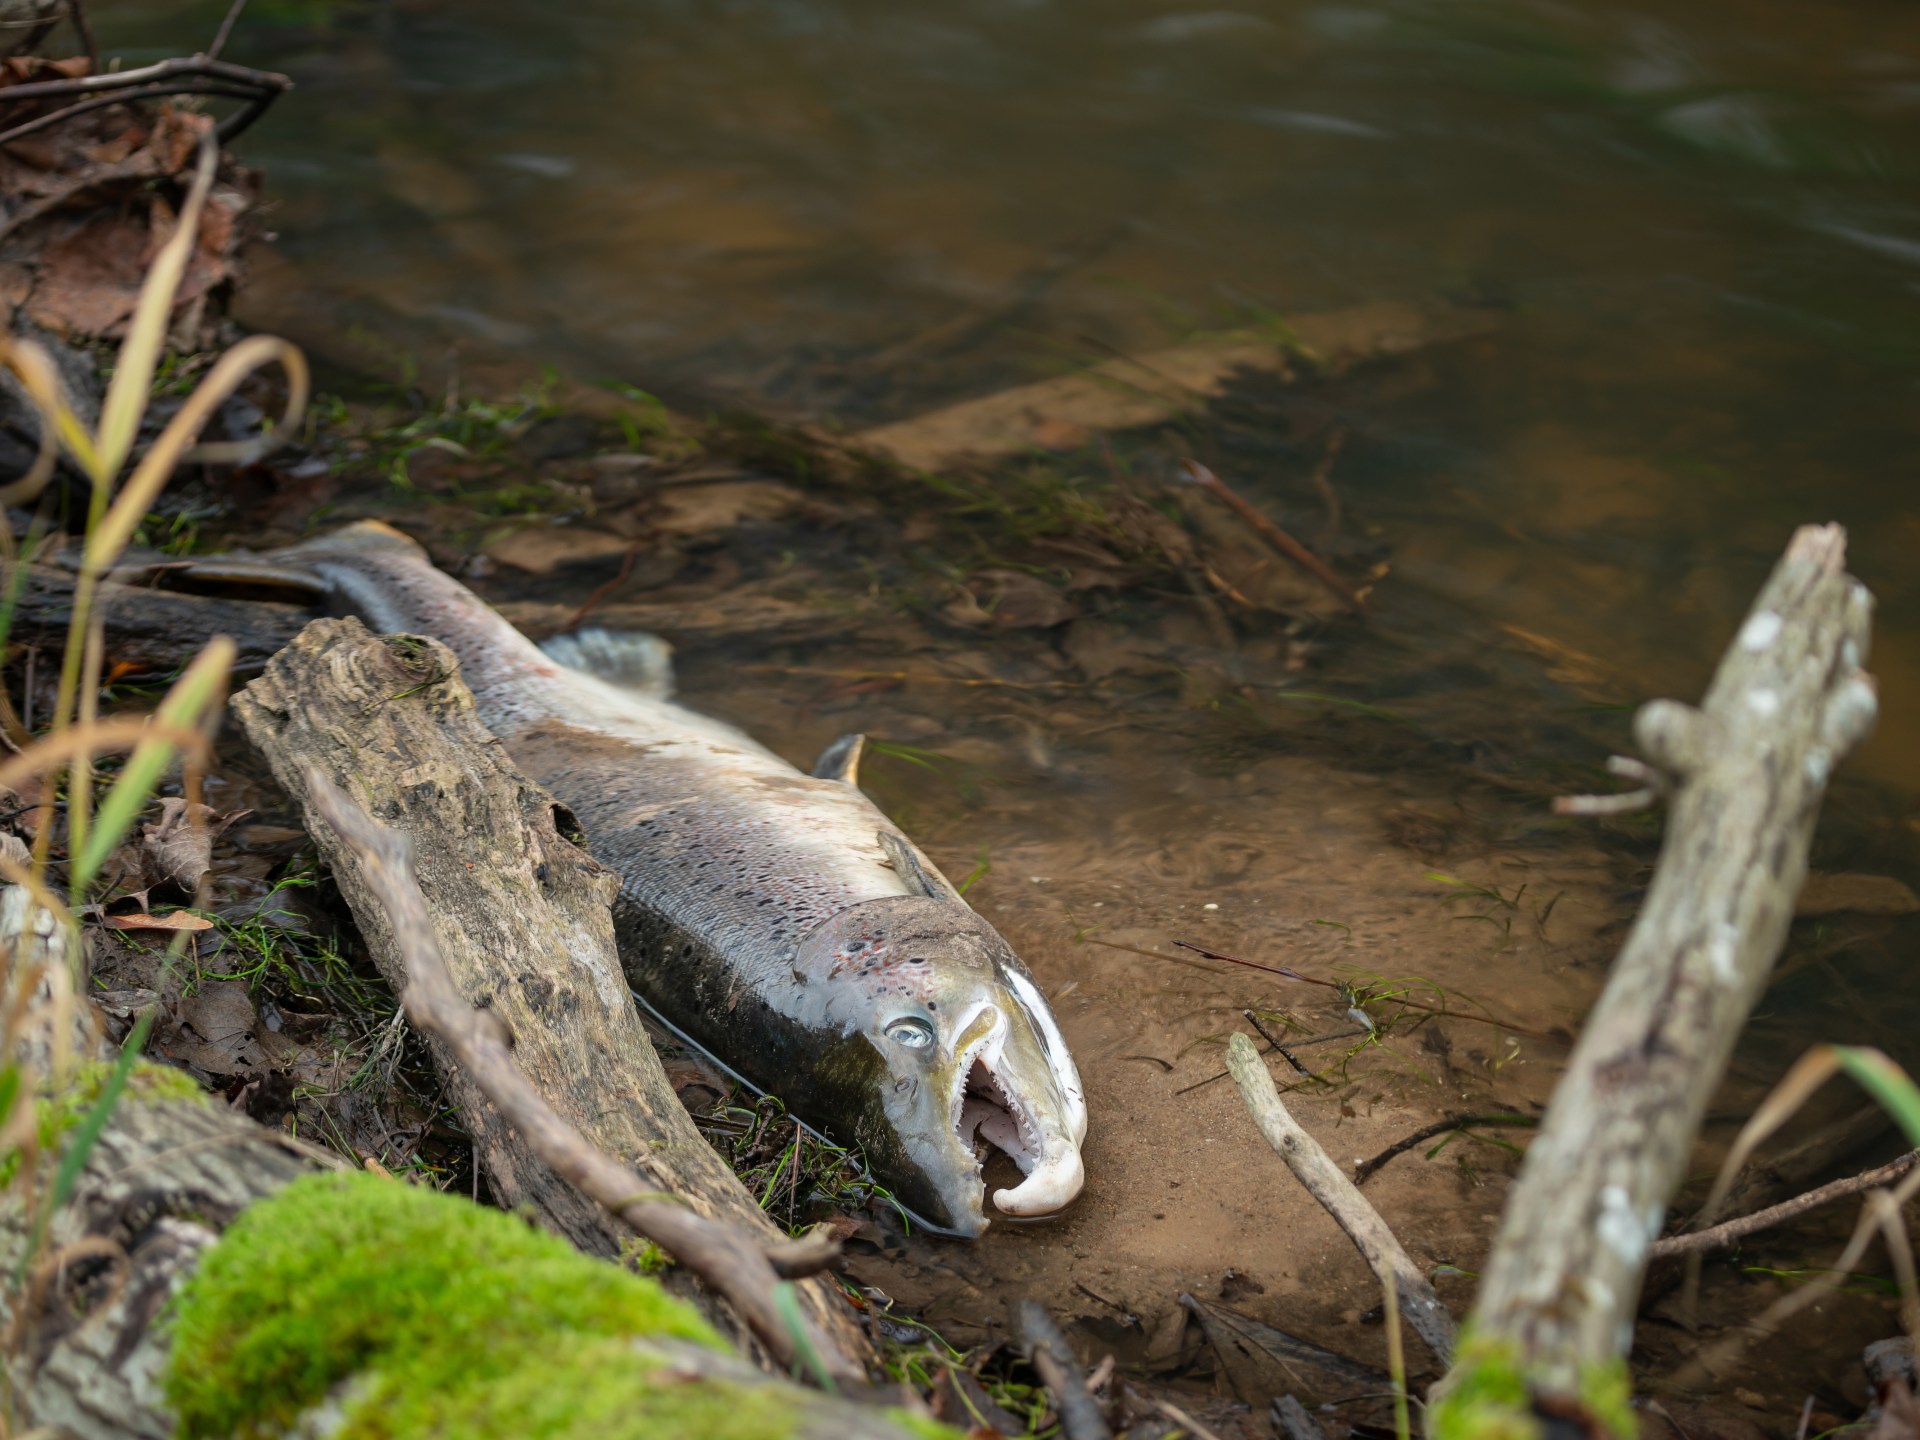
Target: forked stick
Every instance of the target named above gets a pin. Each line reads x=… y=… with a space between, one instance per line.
x=728 y=1261
x=1341 y=1199
x=1747 y=770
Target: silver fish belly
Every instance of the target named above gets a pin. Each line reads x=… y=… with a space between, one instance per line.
x=776 y=919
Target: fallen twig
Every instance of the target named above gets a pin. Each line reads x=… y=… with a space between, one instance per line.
x=182 y=75
x=1185 y=1421
x=1731 y=1231
x=1274 y=1047
x=1654 y=785
x=1080 y=1417
x=1780 y=1177
x=180 y=65
x=1367 y=1169
x=1275 y=536
x=1750 y=767
x=1341 y=1199
x=1291 y=1419
x=1306 y=1076
x=728 y=1261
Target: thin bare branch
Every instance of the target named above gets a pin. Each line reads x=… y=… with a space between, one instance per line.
x=1341 y=1199
x=1733 y=1231
x=1080 y=1417
x=1280 y=540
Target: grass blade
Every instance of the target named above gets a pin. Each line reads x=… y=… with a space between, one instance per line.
x=786 y=1304
x=110 y=536
x=58 y=423
x=1886 y=1082
x=85 y=1136
x=126 y=398
x=194 y=695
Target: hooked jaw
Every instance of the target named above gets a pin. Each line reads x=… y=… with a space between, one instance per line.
x=1008 y=1094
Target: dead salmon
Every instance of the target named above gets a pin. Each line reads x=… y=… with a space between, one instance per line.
x=775 y=919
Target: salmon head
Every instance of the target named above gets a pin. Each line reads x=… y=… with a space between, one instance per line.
x=944 y=1048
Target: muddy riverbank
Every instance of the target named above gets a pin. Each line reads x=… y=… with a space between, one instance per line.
x=1112 y=761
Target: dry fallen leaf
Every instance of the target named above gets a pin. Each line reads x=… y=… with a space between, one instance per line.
x=179 y=845
x=173 y=920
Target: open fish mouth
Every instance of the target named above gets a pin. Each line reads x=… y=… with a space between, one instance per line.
x=992 y=1111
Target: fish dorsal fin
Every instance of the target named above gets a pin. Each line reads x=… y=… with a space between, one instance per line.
x=915 y=868
x=631 y=659
x=841 y=760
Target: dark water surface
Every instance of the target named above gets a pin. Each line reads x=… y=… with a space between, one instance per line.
x=1699 y=224
x=1693 y=228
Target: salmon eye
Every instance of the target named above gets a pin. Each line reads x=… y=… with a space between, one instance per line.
x=910 y=1031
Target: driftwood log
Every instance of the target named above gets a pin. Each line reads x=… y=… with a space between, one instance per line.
x=521 y=915
x=150 y=629
x=168 y=1174
x=1746 y=772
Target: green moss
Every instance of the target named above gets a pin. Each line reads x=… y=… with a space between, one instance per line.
x=1486 y=1396
x=152 y=1082
x=605 y=1390
x=57 y=1113
x=451 y=1321
x=920 y=1426
x=343 y=1273
x=1606 y=1391
x=643 y=1257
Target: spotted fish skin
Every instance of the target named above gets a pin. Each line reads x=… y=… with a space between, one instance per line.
x=777 y=919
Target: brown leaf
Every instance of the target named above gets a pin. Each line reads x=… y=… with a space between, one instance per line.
x=179 y=845
x=172 y=920
x=542 y=549
x=215 y=1029
x=90 y=277
x=704 y=509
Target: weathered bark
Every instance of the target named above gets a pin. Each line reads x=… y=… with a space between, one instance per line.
x=1747 y=771
x=166 y=1176
x=521 y=915
x=157 y=630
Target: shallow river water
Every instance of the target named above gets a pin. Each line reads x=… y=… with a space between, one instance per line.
x=1690 y=239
